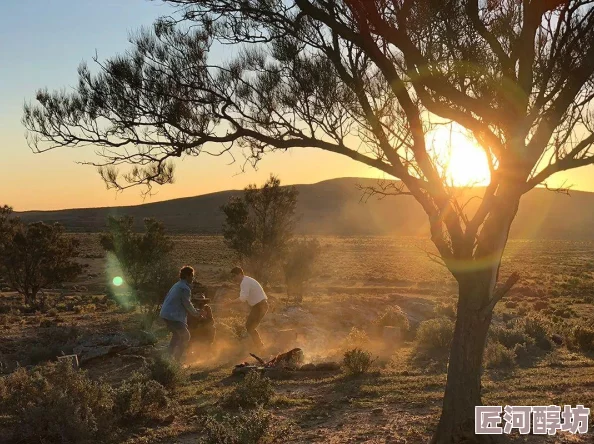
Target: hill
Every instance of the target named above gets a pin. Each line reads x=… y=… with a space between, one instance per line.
x=335 y=207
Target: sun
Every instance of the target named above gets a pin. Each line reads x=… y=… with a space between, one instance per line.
x=457 y=157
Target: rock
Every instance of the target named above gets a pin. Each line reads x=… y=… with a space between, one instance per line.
x=327 y=366
x=377 y=411
x=557 y=339
x=88 y=353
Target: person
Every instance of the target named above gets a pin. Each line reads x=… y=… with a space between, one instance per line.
x=251 y=292
x=203 y=328
x=175 y=310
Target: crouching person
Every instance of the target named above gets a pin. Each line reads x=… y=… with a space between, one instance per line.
x=202 y=328
x=175 y=310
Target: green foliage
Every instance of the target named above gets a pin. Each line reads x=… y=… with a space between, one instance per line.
x=167 y=372
x=56 y=403
x=498 y=356
x=36 y=256
x=434 y=336
x=583 y=337
x=299 y=265
x=252 y=391
x=144 y=258
x=357 y=361
x=259 y=225
x=255 y=426
x=139 y=397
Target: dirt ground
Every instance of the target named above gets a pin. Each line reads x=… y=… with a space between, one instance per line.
x=357 y=279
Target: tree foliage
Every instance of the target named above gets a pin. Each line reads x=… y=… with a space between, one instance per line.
x=299 y=265
x=144 y=258
x=37 y=256
x=259 y=225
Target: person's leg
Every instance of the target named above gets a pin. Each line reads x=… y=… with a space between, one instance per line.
x=183 y=341
x=173 y=344
x=257 y=312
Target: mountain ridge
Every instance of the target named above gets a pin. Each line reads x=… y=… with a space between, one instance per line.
x=337 y=207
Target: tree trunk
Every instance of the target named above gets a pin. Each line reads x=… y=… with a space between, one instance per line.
x=463 y=386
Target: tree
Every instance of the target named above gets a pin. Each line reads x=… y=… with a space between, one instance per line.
x=36 y=256
x=259 y=225
x=516 y=75
x=145 y=260
x=299 y=265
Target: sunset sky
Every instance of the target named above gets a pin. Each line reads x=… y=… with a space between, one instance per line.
x=41 y=45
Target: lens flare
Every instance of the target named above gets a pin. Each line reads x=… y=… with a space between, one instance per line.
x=117 y=281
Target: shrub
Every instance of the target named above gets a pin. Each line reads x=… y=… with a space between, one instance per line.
x=511 y=304
x=252 y=391
x=167 y=372
x=509 y=337
x=299 y=265
x=356 y=338
x=498 y=356
x=357 y=361
x=434 y=336
x=56 y=403
x=39 y=354
x=540 y=305
x=36 y=256
x=392 y=317
x=583 y=337
x=144 y=260
x=139 y=397
x=256 y=426
x=446 y=310
x=259 y=225
x=538 y=328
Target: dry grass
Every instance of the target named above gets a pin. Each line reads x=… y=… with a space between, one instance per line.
x=358 y=279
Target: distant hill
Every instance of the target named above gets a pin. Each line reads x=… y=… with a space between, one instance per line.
x=335 y=207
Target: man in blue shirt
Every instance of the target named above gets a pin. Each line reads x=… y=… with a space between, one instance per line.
x=175 y=311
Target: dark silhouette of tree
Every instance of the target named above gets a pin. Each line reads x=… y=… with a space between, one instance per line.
x=299 y=265
x=366 y=79
x=259 y=225
x=145 y=260
x=36 y=256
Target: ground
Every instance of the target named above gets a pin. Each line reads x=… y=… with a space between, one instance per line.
x=358 y=278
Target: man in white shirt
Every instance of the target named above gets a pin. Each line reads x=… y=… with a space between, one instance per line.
x=251 y=292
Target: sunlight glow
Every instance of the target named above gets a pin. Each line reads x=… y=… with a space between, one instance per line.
x=117 y=281
x=458 y=157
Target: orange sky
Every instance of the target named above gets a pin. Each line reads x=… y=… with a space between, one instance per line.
x=38 y=51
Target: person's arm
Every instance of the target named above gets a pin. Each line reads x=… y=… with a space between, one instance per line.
x=243 y=294
x=186 y=296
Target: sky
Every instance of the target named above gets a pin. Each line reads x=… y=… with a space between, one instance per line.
x=41 y=45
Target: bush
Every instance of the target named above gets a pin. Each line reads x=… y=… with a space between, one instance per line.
x=299 y=265
x=56 y=403
x=357 y=361
x=356 y=338
x=509 y=337
x=434 y=336
x=167 y=372
x=39 y=354
x=539 y=328
x=139 y=397
x=36 y=256
x=446 y=310
x=392 y=317
x=144 y=259
x=246 y=427
x=583 y=337
x=498 y=356
x=252 y=391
